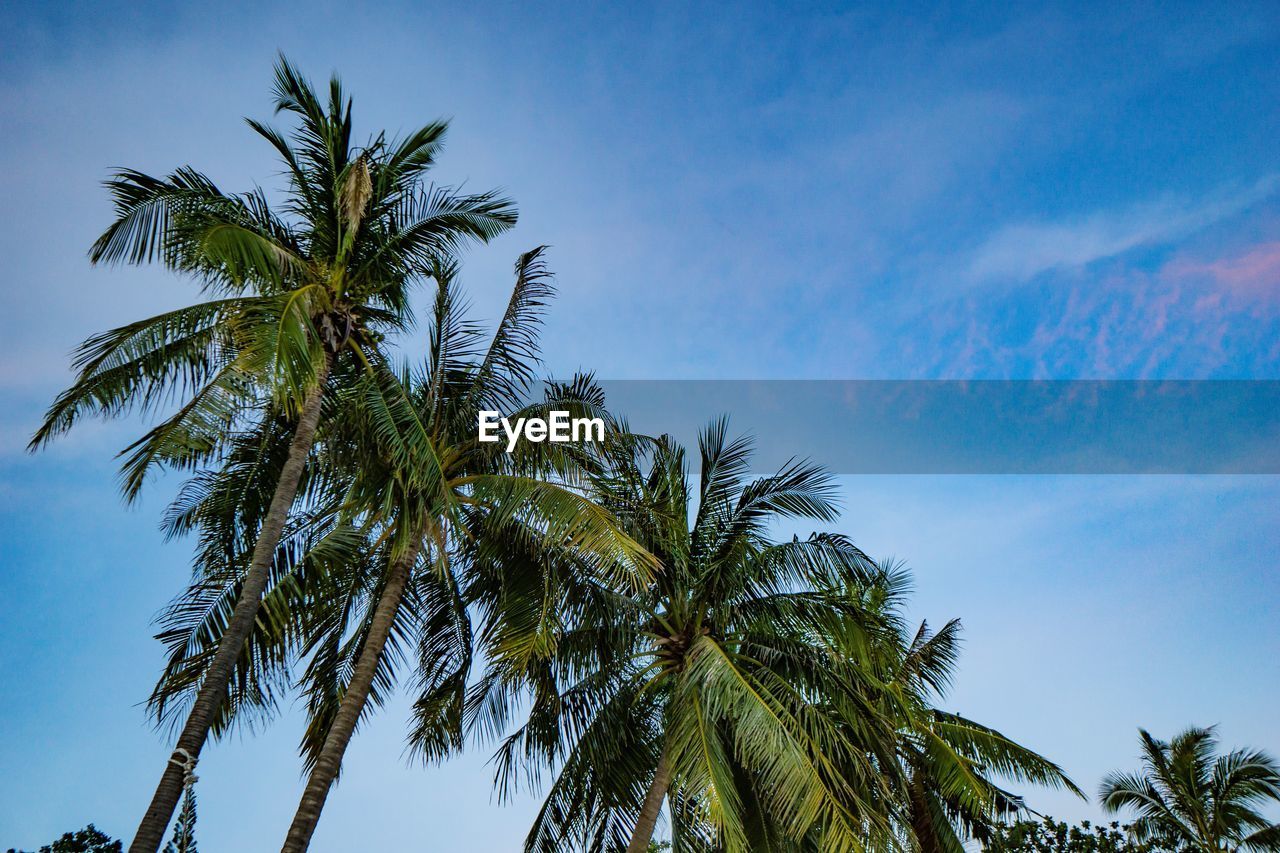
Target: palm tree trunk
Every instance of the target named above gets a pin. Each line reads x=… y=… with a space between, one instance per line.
x=652 y=807
x=927 y=840
x=213 y=691
x=352 y=704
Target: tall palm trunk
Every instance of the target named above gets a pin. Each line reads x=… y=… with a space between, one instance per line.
x=213 y=691
x=352 y=704
x=652 y=806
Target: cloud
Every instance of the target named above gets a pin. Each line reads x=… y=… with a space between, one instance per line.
x=1254 y=272
x=1022 y=251
x=1191 y=317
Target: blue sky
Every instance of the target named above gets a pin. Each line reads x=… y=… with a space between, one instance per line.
x=1046 y=191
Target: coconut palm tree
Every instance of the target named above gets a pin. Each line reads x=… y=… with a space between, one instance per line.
x=434 y=506
x=300 y=293
x=952 y=765
x=1188 y=798
x=942 y=772
x=704 y=679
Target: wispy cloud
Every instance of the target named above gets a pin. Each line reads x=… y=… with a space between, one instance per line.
x=1191 y=317
x=1022 y=251
x=1254 y=272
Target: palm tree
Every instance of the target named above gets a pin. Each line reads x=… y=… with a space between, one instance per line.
x=300 y=294
x=949 y=763
x=705 y=679
x=1187 y=798
x=433 y=498
x=940 y=774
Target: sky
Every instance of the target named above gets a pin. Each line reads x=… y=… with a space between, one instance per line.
x=958 y=191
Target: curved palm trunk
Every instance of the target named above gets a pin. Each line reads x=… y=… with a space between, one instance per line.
x=351 y=706
x=213 y=691
x=651 y=808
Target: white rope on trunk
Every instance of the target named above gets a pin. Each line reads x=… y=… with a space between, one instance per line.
x=188 y=765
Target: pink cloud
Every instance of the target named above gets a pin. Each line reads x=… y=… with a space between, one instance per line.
x=1256 y=272
x=1191 y=318
x=1197 y=316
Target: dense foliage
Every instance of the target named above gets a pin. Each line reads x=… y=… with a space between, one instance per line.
x=766 y=690
x=1047 y=835
x=87 y=840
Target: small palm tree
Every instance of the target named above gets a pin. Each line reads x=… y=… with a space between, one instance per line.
x=706 y=679
x=303 y=293
x=1187 y=798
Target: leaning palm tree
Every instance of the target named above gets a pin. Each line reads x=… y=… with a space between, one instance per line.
x=705 y=679
x=300 y=293
x=422 y=482
x=1187 y=798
